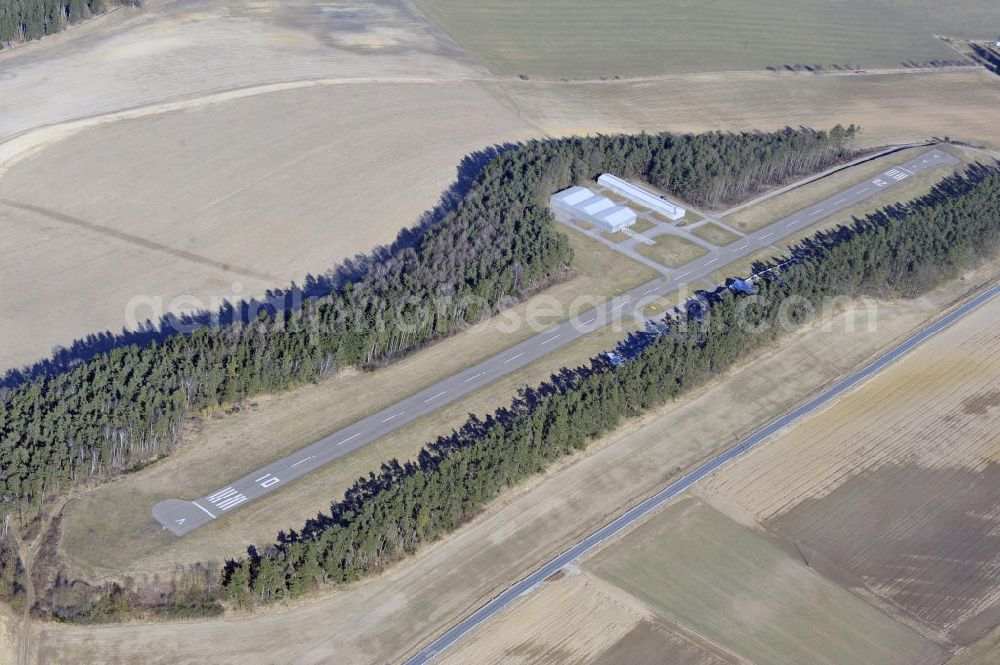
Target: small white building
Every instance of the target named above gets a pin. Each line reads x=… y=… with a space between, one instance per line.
x=600 y=211
x=641 y=196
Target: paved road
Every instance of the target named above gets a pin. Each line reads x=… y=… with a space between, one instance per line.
x=682 y=484
x=181 y=516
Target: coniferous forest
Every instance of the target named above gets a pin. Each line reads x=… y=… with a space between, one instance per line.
x=900 y=250
x=23 y=20
x=497 y=244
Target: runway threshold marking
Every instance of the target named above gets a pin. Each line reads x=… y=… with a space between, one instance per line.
x=222 y=494
x=204 y=509
x=512 y=359
x=434 y=397
x=353 y=436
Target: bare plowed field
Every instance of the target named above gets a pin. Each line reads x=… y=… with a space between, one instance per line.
x=895 y=490
x=717 y=577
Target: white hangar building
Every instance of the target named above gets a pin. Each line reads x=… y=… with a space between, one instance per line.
x=641 y=196
x=598 y=210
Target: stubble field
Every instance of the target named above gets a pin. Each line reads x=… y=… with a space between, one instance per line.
x=226 y=201
x=592 y=38
x=893 y=491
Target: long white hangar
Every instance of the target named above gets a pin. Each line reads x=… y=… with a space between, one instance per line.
x=640 y=196
x=598 y=210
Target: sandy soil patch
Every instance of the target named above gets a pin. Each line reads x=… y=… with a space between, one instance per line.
x=895 y=489
x=383 y=618
x=709 y=573
x=224 y=201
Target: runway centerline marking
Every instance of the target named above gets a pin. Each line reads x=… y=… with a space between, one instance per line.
x=815 y=212
x=353 y=436
x=553 y=337
x=393 y=417
x=471 y=378
x=740 y=249
x=512 y=359
x=708 y=263
x=588 y=321
x=616 y=307
x=203 y=508
x=684 y=275
x=434 y=397
x=840 y=201
x=767 y=235
x=648 y=291
x=301 y=461
x=864 y=190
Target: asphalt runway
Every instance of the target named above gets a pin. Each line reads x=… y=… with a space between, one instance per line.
x=529 y=583
x=181 y=516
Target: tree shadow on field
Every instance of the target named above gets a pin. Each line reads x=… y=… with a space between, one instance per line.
x=313 y=286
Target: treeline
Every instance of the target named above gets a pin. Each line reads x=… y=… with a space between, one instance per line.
x=23 y=20
x=900 y=250
x=192 y=591
x=497 y=244
x=12 y=573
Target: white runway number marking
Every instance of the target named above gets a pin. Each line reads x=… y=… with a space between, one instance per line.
x=878 y=182
x=267 y=480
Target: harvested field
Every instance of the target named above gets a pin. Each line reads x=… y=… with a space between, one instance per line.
x=186 y=49
x=378 y=620
x=590 y=38
x=984 y=652
x=895 y=490
x=580 y=618
x=330 y=172
x=707 y=572
x=891 y=108
x=671 y=251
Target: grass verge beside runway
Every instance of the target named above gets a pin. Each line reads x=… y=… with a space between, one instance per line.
x=671 y=251
x=715 y=234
